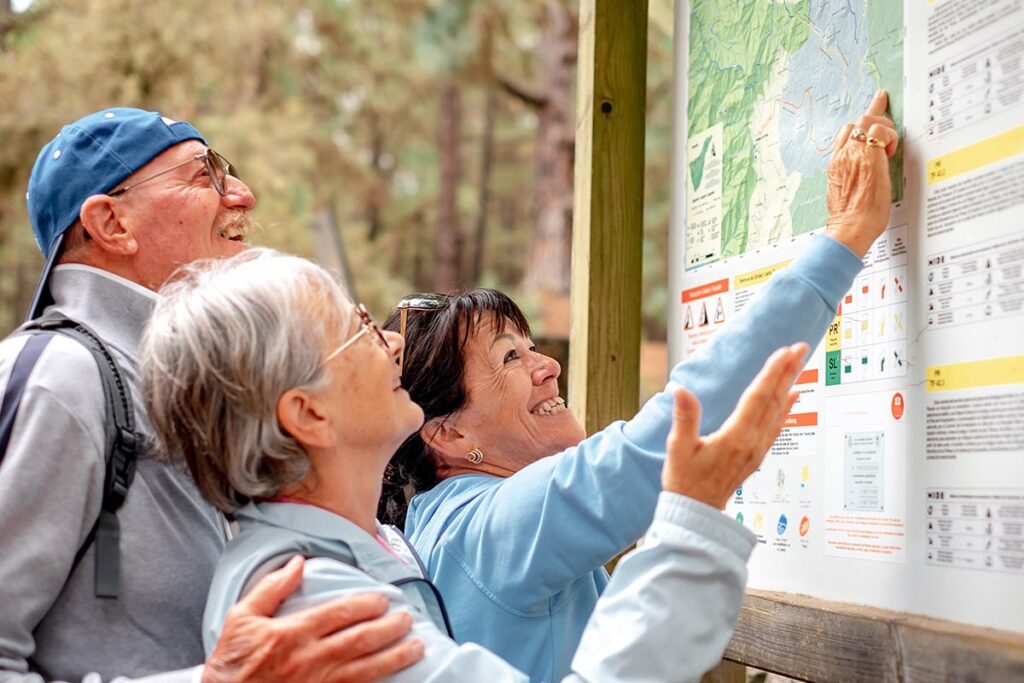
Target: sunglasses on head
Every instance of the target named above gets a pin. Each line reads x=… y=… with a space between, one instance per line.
x=416 y=302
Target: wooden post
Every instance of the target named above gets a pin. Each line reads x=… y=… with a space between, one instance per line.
x=604 y=353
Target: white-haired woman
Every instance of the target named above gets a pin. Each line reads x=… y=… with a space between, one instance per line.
x=284 y=400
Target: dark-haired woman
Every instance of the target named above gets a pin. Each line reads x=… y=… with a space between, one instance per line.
x=513 y=510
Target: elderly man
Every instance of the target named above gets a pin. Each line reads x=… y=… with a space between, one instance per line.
x=118 y=200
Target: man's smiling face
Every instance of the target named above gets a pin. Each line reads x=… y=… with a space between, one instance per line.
x=180 y=217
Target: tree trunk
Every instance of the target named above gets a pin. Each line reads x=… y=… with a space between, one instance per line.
x=420 y=278
x=447 y=245
x=548 y=267
x=329 y=246
x=486 y=151
x=509 y=271
x=484 y=193
x=375 y=198
x=6 y=19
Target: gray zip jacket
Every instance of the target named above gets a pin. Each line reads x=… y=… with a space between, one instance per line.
x=52 y=627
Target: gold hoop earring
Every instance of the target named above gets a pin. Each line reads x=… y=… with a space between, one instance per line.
x=475 y=456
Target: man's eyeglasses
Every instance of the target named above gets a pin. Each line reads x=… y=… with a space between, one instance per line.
x=416 y=302
x=217 y=166
x=366 y=325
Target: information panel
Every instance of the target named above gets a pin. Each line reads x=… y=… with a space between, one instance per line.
x=899 y=478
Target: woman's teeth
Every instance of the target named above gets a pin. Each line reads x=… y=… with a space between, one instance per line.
x=551 y=406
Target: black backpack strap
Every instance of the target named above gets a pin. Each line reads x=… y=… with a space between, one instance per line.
x=23 y=364
x=122 y=444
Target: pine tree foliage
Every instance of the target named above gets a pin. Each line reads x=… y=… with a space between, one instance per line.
x=332 y=111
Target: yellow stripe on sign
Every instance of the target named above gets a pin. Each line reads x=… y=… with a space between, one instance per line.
x=757 y=277
x=975 y=156
x=979 y=373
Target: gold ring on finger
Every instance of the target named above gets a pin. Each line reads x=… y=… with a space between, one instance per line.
x=874 y=142
x=859 y=135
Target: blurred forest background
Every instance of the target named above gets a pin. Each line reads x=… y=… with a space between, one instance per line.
x=417 y=145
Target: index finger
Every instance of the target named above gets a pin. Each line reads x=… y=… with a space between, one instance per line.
x=338 y=614
x=270 y=591
x=878 y=105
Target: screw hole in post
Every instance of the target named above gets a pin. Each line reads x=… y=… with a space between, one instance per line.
x=606 y=107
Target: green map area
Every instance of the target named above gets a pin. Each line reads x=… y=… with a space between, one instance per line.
x=697 y=165
x=782 y=77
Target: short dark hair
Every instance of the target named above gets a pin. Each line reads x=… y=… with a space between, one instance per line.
x=434 y=375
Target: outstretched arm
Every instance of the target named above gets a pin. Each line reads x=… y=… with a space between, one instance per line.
x=565 y=516
x=672 y=604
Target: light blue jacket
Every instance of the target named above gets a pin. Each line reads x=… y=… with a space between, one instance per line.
x=519 y=560
x=667 y=615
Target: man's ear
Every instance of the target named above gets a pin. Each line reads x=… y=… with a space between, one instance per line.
x=302 y=416
x=444 y=437
x=106 y=226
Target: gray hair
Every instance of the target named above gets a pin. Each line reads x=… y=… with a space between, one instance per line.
x=226 y=340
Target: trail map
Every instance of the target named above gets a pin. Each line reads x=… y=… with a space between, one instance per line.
x=776 y=80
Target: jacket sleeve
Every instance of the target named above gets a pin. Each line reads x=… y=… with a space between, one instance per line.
x=564 y=516
x=51 y=481
x=671 y=606
x=443 y=659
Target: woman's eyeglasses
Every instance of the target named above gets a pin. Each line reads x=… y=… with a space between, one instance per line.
x=366 y=325
x=416 y=302
x=217 y=166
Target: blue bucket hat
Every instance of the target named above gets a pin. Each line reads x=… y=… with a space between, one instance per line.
x=90 y=156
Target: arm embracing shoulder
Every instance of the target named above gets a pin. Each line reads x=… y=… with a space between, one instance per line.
x=51 y=481
x=671 y=606
x=443 y=659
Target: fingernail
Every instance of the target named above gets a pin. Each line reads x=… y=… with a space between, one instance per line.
x=417 y=647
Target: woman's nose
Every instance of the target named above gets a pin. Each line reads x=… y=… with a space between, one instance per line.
x=546 y=368
x=396 y=343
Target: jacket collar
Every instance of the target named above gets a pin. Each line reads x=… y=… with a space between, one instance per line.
x=311 y=520
x=115 y=308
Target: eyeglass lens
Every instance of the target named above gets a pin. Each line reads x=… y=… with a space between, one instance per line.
x=219 y=169
x=364 y=316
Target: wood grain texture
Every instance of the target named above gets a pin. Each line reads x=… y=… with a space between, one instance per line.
x=608 y=211
x=726 y=672
x=817 y=640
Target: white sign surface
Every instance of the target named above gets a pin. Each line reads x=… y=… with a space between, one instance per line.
x=899 y=479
